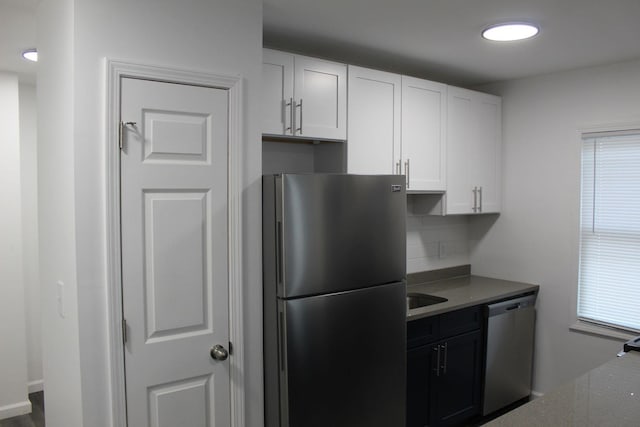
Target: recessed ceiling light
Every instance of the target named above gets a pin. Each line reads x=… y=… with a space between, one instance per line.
x=510 y=32
x=31 y=55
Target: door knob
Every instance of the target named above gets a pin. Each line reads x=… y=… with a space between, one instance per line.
x=218 y=352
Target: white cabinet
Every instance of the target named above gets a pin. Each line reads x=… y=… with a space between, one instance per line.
x=303 y=97
x=474 y=145
x=277 y=92
x=373 y=142
x=423 y=134
x=397 y=126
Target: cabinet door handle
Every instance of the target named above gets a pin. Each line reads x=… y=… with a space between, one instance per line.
x=480 y=204
x=445 y=357
x=398 y=167
x=437 y=349
x=475 y=199
x=407 y=171
x=299 y=129
x=289 y=104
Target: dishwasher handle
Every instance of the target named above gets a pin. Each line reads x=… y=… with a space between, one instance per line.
x=502 y=307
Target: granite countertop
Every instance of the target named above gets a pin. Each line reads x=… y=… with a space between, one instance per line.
x=464 y=292
x=606 y=396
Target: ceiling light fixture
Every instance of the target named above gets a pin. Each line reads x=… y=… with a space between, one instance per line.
x=31 y=55
x=510 y=31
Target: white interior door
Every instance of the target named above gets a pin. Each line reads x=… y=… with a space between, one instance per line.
x=174 y=253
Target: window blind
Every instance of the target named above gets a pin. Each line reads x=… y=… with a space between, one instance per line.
x=609 y=276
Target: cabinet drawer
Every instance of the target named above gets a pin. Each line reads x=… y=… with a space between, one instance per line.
x=422 y=331
x=460 y=321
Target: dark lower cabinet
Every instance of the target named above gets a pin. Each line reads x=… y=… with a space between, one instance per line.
x=455 y=395
x=419 y=369
x=444 y=377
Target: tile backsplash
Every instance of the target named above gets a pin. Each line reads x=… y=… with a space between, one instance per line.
x=435 y=242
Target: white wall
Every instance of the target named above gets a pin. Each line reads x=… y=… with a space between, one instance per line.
x=56 y=206
x=31 y=271
x=433 y=241
x=536 y=237
x=217 y=36
x=13 y=365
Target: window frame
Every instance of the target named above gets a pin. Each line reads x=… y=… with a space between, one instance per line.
x=576 y=323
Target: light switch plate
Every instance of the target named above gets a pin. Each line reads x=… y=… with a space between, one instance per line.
x=60 y=298
x=442 y=250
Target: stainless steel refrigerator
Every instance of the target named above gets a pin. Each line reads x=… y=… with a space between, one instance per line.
x=334 y=300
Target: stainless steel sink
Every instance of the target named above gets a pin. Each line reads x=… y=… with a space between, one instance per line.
x=417 y=300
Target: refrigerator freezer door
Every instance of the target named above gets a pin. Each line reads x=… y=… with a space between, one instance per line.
x=345 y=359
x=341 y=232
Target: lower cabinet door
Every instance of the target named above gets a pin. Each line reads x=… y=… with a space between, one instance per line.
x=420 y=366
x=456 y=390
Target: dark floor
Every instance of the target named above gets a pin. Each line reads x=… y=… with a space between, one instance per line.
x=483 y=420
x=34 y=419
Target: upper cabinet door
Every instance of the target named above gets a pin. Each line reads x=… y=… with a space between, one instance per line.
x=474 y=152
x=321 y=98
x=459 y=197
x=277 y=92
x=423 y=134
x=488 y=156
x=303 y=97
x=373 y=145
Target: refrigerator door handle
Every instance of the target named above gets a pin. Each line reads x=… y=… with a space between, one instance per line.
x=281 y=339
x=279 y=260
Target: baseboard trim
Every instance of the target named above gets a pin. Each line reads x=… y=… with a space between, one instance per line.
x=35 y=386
x=536 y=394
x=15 y=409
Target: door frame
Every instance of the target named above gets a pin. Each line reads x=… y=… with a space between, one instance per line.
x=115 y=71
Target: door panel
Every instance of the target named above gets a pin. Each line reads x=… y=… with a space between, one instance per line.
x=192 y=397
x=177 y=137
x=174 y=253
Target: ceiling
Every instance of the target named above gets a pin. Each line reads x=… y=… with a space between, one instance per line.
x=440 y=39
x=435 y=39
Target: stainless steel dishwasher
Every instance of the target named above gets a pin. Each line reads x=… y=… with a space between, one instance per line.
x=510 y=332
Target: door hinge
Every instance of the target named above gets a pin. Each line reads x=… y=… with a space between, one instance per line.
x=124 y=331
x=121 y=130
